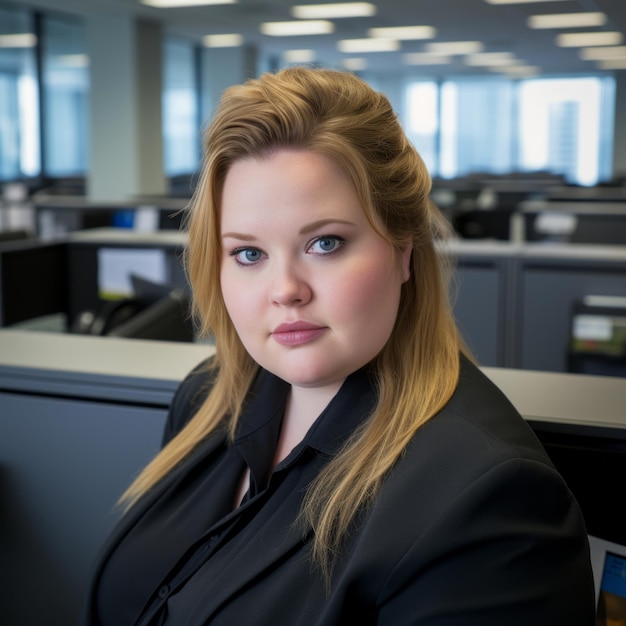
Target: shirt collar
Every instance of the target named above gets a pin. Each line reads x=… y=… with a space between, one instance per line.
x=261 y=418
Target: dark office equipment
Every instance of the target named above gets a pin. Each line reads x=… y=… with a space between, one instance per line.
x=483 y=224
x=154 y=311
x=592 y=464
x=167 y=319
x=598 y=336
x=33 y=280
x=14 y=235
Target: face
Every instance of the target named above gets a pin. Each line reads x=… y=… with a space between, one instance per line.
x=312 y=290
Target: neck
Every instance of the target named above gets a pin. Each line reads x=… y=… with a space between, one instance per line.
x=304 y=406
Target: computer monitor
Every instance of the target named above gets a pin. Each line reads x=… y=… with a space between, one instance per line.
x=609 y=571
x=33 y=280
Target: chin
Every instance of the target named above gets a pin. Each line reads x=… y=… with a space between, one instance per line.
x=307 y=376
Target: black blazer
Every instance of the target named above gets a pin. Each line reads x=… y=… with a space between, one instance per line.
x=473 y=527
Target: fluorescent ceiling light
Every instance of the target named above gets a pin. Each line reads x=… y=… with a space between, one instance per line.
x=288 y=29
x=455 y=47
x=73 y=60
x=226 y=40
x=491 y=58
x=567 y=20
x=516 y=70
x=585 y=40
x=169 y=4
x=336 y=10
x=603 y=53
x=299 y=56
x=426 y=58
x=403 y=32
x=517 y=1
x=18 y=40
x=355 y=64
x=368 y=45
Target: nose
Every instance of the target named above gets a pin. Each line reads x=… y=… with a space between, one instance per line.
x=289 y=286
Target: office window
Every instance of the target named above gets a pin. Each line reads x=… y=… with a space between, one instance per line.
x=565 y=127
x=181 y=132
x=19 y=112
x=499 y=126
x=422 y=126
x=65 y=75
x=476 y=127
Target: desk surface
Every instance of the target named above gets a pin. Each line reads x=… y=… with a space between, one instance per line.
x=597 y=402
x=127 y=236
x=99 y=356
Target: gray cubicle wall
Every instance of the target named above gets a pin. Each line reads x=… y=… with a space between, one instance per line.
x=482 y=297
x=552 y=281
x=63 y=464
x=79 y=417
x=515 y=301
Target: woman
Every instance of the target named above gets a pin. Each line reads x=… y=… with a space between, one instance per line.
x=340 y=459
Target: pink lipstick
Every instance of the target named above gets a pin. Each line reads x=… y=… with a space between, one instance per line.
x=296 y=333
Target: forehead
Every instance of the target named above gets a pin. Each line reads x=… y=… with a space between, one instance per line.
x=285 y=182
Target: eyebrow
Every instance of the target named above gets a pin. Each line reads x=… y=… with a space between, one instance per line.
x=309 y=228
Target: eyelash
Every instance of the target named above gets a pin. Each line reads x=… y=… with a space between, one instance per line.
x=339 y=240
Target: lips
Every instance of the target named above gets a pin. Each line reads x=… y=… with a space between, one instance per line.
x=297 y=333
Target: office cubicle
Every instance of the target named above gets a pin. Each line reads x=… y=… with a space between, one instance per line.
x=81 y=415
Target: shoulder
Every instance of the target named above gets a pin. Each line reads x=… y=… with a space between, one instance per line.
x=478 y=437
x=188 y=397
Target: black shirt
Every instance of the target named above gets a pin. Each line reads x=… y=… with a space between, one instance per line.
x=174 y=553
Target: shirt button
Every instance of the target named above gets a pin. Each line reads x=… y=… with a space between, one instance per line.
x=164 y=591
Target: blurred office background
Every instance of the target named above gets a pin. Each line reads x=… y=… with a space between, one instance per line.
x=518 y=108
x=106 y=97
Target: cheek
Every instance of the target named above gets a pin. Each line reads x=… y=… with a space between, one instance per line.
x=233 y=295
x=373 y=289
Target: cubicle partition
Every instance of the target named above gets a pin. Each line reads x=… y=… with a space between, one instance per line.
x=515 y=302
x=79 y=417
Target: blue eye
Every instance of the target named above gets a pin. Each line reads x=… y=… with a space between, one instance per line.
x=326 y=245
x=247 y=256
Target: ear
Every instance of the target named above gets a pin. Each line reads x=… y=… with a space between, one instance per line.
x=405 y=261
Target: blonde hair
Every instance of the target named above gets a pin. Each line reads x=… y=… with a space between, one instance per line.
x=337 y=115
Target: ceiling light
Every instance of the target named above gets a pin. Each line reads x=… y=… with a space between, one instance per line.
x=517 y=70
x=426 y=58
x=73 y=60
x=491 y=58
x=583 y=40
x=337 y=10
x=230 y=40
x=299 y=56
x=18 y=40
x=403 y=32
x=168 y=4
x=288 y=29
x=603 y=53
x=368 y=45
x=355 y=64
x=454 y=47
x=567 y=20
x=517 y=1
